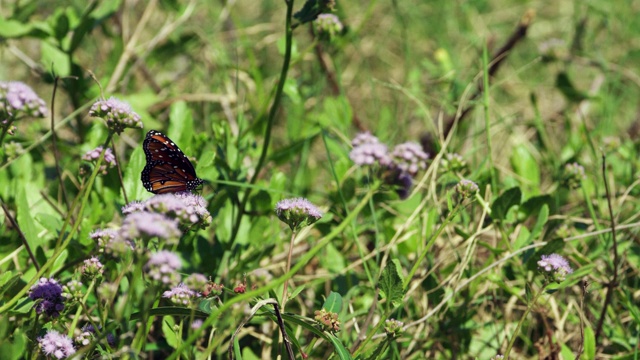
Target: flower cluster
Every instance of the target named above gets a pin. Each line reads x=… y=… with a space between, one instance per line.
x=163 y=267
x=93 y=156
x=147 y=225
x=118 y=114
x=48 y=293
x=181 y=295
x=453 y=162
x=56 y=345
x=73 y=290
x=393 y=327
x=212 y=289
x=196 y=282
x=574 y=175
x=17 y=99
x=87 y=334
x=297 y=212
x=187 y=208
x=554 y=267
x=328 y=319
x=466 y=189
x=92 y=268
x=399 y=166
x=12 y=149
x=328 y=25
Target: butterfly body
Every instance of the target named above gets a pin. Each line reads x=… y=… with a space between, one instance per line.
x=168 y=169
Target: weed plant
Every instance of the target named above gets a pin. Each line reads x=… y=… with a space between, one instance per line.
x=319 y=180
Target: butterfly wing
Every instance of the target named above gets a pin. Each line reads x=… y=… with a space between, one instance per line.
x=167 y=170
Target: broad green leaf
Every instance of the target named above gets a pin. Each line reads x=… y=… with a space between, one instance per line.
x=333 y=303
x=7 y=280
x=343 y=353
x=504 y=202
x=589 y=343
x=525 y=165
x=390 y=284
x=131 y=176
x=169 y=332
x=181 y=126
x=25 y=221
x=543 y=216
x=54 y=59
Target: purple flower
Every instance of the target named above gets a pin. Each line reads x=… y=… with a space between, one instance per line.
x=196 y=282
x=466 y=188
x=574 y=175
x=87 y=336
x=364 y=138
x=297 y=212
x=94 y=155
x=49 y=294
x=163 y=266
x=104 y=236
x=118 y=114
x=328 y=24
x=56 y=345
x=92 y=267
x=181 y=295
x=196 y=324
x=148 y=225
x=189 y=209
x=134 y=206
x=17 y=98
x=555 y=267
x=409 y=157
x=369 y=154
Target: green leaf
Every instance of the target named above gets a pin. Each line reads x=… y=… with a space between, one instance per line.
x=169 y=333
x=25 y=221
x=60 y=25
x=52 y=58
x=131 y=176
x=343 y=353
x=504 y=202
x=333 y=303
x=543 y=216
x=311 y=9
x=589 y=343
x=390 y=284
x=16 y=29
x=86 y=24
x=525 y=165
x=181 y=125
x=7 y=280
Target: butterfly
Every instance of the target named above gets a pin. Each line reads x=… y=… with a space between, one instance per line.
x=168 y=169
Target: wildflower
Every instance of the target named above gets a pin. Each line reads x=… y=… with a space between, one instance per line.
x=73 y=290
x=94 y=155
x=297 y=212
x=368 y=150
x=555 y=267
x=400 y=180
x=103 y=236
x=17 y=98
x=574 y=175
x=119 y=247
x=12 y=149
x=56 y=345
x=196 y=282
x=453 y=162
x=146 y=225
x=189 y=209
x=241 y=288
x=328 y=319
x=260 y=275
x=328 y=25
x=498 y=357
x=212 y=289
x=118 y=114
x=49 y=292
x=611 y=143
x=87 y=334
x=393 y=327
x=92 y=267
x=466 y=188
x=134 y=206
x=163 y=266
x=409 y=157
x=196 y=324
x=181 y=295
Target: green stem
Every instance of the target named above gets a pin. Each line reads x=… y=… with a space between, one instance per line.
x=270 y=120
x=487 y=118
x=429 y=244
x=59 y=249
x=524 y=317
x=304 y=260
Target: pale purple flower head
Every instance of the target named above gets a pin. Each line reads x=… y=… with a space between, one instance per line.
x=453 y=162
x=103 y=236
x=17 y=98
x=187 y=208
x=88 y=334
x=93 y=156
x=328 y=24
x=48 y=294
x=364 y=138
x=163 y=266
x=393 y=327
x=409 y=157
x=466 y=188
x=555 y=267
x=196 y=324
x=73 y=290
x=92 y=267
x=56 y=345
x=118 y=114
x=181 y=295
x=369 y=154
x=574 y=174
x=297 y=212
x=196 y=282
x=134 y=206
x=146 y=225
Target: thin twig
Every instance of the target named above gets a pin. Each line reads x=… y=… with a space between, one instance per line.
x=614 y=282
x=14 y=223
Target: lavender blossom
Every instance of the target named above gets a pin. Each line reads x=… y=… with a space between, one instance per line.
x=393 y=327
x=409 y=157
x=328 y=25
x=134 y=206
x=181 y=295
x=146 y=225
x=187 y=208
x=196 y=324
x=93 y=156
x=554 y=267
x=466 y=189
x=92 y=268
x=56 y=345
x=48 y=293
x=163 y=266
x=17 y=98
x=104 y=236
x=369 y=154
x=118 y=114
x=297 y=212
x=196 y=282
